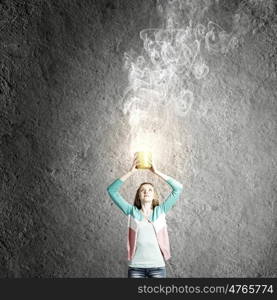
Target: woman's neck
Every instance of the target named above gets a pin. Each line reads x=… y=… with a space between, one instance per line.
x=146 y=208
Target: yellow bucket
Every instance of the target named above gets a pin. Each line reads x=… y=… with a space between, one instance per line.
x=144 y=159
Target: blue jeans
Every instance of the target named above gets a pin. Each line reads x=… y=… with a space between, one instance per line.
x=146 y=272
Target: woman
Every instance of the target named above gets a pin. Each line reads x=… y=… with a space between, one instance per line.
x=148 y=243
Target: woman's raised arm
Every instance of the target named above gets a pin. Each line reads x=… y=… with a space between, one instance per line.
x=176 y=186
x=113 y=190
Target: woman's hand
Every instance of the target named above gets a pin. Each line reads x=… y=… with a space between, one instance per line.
x=153 y=167
x=134 y=165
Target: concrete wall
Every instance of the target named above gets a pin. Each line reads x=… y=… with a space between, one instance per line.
x=65 y=138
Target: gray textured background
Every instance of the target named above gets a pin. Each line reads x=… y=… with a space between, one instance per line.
x=64 y=139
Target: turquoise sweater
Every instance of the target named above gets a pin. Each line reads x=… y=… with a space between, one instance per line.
x=147 y=248
x=129 y=209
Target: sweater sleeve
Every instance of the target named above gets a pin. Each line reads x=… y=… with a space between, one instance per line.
x=177 y=188
x=113 y=191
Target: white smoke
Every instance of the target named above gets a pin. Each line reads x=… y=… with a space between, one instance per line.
x=159 y=80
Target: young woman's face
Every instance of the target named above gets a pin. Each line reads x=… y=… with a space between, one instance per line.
x=146 y=193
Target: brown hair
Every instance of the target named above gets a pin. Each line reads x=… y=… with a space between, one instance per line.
x=155 y=201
